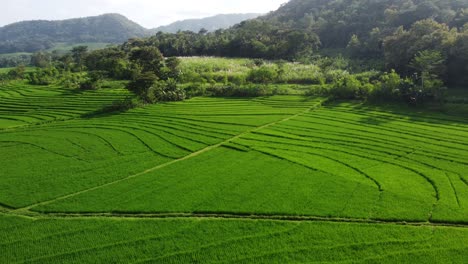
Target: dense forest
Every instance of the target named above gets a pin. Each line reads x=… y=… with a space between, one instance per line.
x=392 y=32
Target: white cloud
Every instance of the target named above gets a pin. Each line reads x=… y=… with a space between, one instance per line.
x=149 y=13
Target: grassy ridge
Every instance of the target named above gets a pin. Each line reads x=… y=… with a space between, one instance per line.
x=236 y=241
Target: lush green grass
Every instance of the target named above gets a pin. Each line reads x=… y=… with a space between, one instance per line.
x=6 y=70
x=225 y=164
x=220 y=70
x=112 y=146
x=22 y=104
x=100 y=240
x=339 y=161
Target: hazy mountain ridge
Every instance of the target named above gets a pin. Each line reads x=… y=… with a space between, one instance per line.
x=212 y=23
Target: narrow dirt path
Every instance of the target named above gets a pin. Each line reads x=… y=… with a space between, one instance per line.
x=237 y=216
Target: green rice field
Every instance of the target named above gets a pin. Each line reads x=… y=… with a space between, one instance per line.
x=281 y=179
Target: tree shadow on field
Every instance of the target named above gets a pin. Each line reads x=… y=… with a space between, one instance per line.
x=117 y=107
x=379 y=114
x=73 y=92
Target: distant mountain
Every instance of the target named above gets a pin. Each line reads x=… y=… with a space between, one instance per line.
x=210 y=23
x=30 y=36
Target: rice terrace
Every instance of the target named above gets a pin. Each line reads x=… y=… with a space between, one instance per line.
x=173 y=148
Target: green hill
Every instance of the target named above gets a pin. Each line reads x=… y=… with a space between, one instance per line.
x=336 y=21
x=30 y=36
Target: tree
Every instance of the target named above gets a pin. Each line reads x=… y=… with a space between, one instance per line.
x=430 y=65
x=167 y=91
x=390 y=86
x=65 y=62
x=79 y=55
x=148 y=58
x=141 y=86
x=110 y=60
x=457 y=61
x=17 y=73
x=429 y=61
x=93 y=81
x=355 y=46
x=41 y=59
x=403 y=46
x=173 y=68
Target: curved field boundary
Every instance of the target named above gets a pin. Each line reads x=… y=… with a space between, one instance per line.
x=194 y=154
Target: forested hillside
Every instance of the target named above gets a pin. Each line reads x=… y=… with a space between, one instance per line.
x=31 y=36
x=392 y=32
x=210 y=23
x=336 y=21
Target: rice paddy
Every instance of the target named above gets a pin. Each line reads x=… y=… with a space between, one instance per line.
x=256 y=180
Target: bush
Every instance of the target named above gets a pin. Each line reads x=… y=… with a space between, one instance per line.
x=17 y=73
x=4 y=77
x=263 y=75
x=166 y=91
x=232 y=90
x=237 y=79
x=348 y=87
x=121 y=105
x=70 y=80
x=43 y=76
x=195 y=89
x=318 y=90
x=332 y=76
x=141 y=86
x=89 y=84
x=258 y=62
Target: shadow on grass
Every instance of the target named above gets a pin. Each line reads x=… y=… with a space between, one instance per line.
x=428 y=113
x=117 y=107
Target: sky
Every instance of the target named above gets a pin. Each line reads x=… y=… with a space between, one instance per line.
x=148 y=13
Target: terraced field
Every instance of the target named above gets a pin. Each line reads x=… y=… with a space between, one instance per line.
x=266 y=180
x=24 y=105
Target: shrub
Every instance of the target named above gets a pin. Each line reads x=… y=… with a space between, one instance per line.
x=348 y=87
x=43 y=76
x=263 y=75
x=89 y=84
x=141 y=86
x=232 y=90
x=237 y=79
x=258 y=62
x=17 y=73
x=195 y=89
x=332 y=76
x=93 y=81
x=121 y=105
x=166 y=91
x=70 y=80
